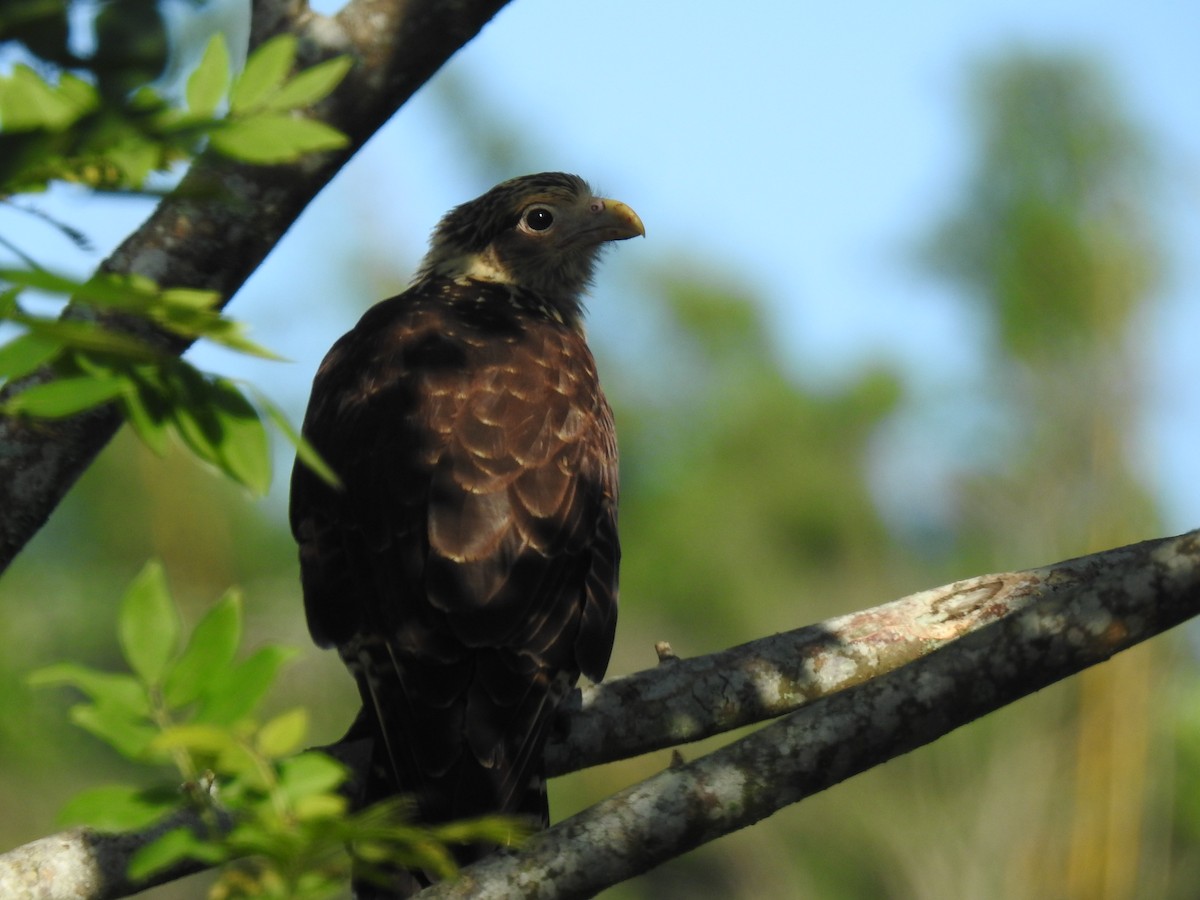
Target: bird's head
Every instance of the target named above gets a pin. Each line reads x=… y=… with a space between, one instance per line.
x=542 y=233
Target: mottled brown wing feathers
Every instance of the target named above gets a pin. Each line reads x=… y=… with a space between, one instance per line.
x=467 y=570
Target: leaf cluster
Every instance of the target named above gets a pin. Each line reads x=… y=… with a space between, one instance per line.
x=187 y=710
x=62 y=126
x=158 y=393
x=65 y=126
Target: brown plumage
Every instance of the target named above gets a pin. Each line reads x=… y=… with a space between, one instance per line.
x=466 y=570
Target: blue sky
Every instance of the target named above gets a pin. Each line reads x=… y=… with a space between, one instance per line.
x=800 y=147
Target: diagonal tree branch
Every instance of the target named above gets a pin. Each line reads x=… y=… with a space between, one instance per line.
x=853 y=692
x=215 y=229
x=1059 y=620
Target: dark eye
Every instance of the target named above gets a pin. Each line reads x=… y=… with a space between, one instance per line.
x=539 y=219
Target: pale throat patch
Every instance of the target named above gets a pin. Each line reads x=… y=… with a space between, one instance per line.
x=482 y=266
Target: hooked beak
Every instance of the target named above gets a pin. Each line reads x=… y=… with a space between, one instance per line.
x=614 y=221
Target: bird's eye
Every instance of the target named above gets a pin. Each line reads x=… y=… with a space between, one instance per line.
x=539 y=218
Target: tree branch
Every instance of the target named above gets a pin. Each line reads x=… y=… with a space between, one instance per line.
x=856 y=690
x=1058 y=620
x=215 y=229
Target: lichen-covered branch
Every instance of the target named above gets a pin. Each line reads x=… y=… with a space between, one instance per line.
x=684 y=700
x=215 y=229
x=1060 y=620
x=851 y=692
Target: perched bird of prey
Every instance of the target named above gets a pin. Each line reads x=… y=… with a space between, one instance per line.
x=466 y=568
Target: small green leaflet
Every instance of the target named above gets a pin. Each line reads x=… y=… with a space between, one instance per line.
x=208 y=82
x=265 y=72
x=310 y=85
x=148 y=626
x=30 y=103
x=65 y=396
x=275 y=138
x=264 y=86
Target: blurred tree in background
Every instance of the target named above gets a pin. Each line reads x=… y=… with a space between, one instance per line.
x=1055 y=239
x=746 y=510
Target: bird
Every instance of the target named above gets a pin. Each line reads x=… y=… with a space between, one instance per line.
x=466 y=566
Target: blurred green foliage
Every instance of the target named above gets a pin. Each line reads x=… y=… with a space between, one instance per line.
x=270 y=813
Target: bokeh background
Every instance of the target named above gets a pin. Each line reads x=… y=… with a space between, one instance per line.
x=920 y=298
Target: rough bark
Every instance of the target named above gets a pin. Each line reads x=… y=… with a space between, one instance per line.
x=1051 y=623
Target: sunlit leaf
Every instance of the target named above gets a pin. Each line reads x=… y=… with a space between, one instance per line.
x=25 y=354
x=265 y=71
x=310 y=773
x=130 y=292
x=283 y=734
x=243 y=686
x=274 y=139
x=201 y=739
x=147 y=412
x=222 y=427
x=93 y=337
x=311 y=85
x=118 y=807
x=209 y=651
x=319 y=806
x=208 y=82
x=243 y=450
x=173 y=847
x=40 y=279
x=29 y=102
x=148 y=626
x=130 y=736
x=109 y=689
x=136 y=159
x=66 y=396
x=190 y=298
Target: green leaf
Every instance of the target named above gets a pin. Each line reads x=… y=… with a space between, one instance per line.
x=108 y=689
x=147 y=410
x=319 y=806
x=208 y=82
x=218 y=747
x=209 y=652
x=174 y=846
x=8 y=302
x=311 y=85
x=310 y=773
x=92 y=337
x=283 y=734
x=265 y=71
x=41 y=279
x=222 y=427
x=148 y=626
x=243 y=449
x=119 y=807
x=273 y=139
x=30 y=103
x=216 y=328
x=242 y=688
x=129 y=736
x=136 y=159
x=198 y=739
x=26 y=353
x=190 y=298
x=190 y=409
x=66 y=396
